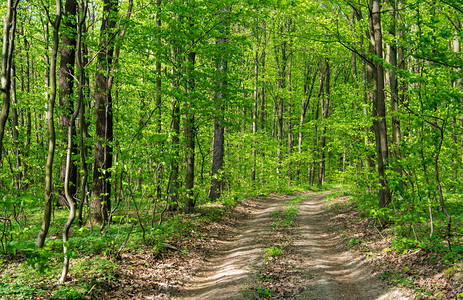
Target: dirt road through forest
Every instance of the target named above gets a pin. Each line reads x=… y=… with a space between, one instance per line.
x=324 y=267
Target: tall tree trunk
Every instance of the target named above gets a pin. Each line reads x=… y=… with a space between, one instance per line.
x=66 y=85
x=82 y=123
x=101 y=192
x=70 y=144
x=281 y=63
x=379 y=104
x=307 y=94
x=51 y=128
x=255 y=112
x=158 y=104
x=393 y=83
x=9 y=28
x=325 y=111
x=290 y=116
x=315 y=133
x=190 y=132
x=15 y=127
x=219 y=98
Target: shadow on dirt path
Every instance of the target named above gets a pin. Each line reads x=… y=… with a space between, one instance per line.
x=325 y=268
x=227 y=273
x=328 y=269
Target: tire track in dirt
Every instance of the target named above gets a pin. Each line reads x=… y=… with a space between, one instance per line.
x=326 y=268
x=228 y=272
x=329 y=269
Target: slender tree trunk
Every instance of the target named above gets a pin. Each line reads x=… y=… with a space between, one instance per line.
x=307 y=94
x=281 y=63
x=263 y=95
x=325 y=110
x=379 y=105
x=15 y=126
x=290 y=118
x=190 y=132
x=51 y=129
x=82 y=123
x=393 y=83
x=9 y=28
x=70 y=144
x=255 y=113
x=220 y=97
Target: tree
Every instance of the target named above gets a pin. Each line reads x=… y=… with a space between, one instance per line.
x=51 y=125
x=379 y=104
x=101 y=192
x=9 y=30
x=190 y=129
x=219 y=99
x=66 y=84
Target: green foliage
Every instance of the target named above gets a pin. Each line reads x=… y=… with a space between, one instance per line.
x=273 y=251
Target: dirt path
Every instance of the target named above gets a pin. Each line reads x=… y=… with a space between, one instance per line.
x=324 y=268
x=227 y=273
x=332 y=271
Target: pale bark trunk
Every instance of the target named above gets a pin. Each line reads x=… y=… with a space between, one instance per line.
x=15 y=121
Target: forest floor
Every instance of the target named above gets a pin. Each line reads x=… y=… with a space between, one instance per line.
x=328 y=253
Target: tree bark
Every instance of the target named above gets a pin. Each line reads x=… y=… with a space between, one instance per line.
x=71 y=127
x=379 y=104
x=66 y=85
x=101 y=192
x=9 y=28
x=51 y=128
x=190 y=135
x=307 y=95
x=82 y=123
x=325 y=111
x=219 y=99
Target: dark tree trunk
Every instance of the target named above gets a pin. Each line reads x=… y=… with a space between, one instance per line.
x=101 y=192
x=9 y=28
x=379 y=105
x=190 y=136
x=220 y=95
x=66 y=85
x=325 y=111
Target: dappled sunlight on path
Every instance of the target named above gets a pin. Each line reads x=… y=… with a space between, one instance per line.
x=323 y=266
x=329 y=269
x=228 y=272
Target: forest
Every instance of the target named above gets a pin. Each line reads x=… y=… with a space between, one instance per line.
x=126 y=125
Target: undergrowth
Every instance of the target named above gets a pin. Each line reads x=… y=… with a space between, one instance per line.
x=28 y=272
